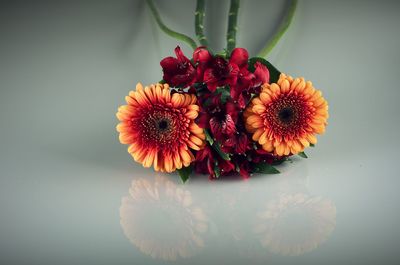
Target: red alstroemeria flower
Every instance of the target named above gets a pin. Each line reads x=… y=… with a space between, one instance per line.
x=243 y=165
x=179 y=71
x=220 y=118
x=259 y=155
x=249 y=82
x=220 y=73
x=236 y=144
x=208 y=161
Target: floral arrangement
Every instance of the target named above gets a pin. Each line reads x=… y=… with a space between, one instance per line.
x=223 y=113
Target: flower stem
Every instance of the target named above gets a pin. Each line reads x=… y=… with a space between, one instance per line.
x=280 y=31
x=232 y=28
x=199 y=22
x=168 y=31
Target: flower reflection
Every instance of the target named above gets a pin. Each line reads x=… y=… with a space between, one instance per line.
x=161 y=220
x=295 y=224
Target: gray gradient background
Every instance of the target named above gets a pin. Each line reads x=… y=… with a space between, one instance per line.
x=66 y=66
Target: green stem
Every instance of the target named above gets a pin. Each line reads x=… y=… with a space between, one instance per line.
x=280 y=31
x=232 y=28
x=199 y=22
x=168 y=31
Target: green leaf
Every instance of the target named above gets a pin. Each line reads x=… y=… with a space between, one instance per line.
x=217 y=171
x=216 y=146
x=265 y=168
x=184 y=173
x=208 y=137
x=222 y=54
x=312 y=145
x=221 y=153
x=225 y=93
x=273 y=72
x=277 y=162
x=162 y=81
x=302 y=154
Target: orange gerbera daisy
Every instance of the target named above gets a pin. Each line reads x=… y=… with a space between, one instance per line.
x=159 y=127
x=286 y=115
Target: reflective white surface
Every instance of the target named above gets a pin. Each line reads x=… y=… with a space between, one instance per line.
x=70 y=193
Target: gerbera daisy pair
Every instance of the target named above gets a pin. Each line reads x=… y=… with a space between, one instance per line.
x=221 y=114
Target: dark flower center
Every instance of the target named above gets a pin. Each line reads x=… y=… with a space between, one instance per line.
x=286 y=115
x=221 y=68
x=163 y=125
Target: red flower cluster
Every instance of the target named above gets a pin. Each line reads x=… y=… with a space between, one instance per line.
x=224 y=87
x=216 y=71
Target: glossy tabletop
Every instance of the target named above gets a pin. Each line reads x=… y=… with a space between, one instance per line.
x=71 y=194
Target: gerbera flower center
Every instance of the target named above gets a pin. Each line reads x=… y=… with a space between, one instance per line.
x=288 y=115
x=163 y=127
x=163 y=124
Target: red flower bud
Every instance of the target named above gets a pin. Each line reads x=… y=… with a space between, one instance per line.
x=201 y=55
x=239 y=56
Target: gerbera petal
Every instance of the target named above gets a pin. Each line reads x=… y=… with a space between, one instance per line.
x=123 y=126
x=257 y=134
x=131 y=101
x=149 y=94
x=177 y=160
x=168 y=163
x=311 y=138
x=133 y=148
x=141 y=99
x=265 y=98
x=148 y=161
x=304 y=142
x=185 y=155
x=294 y=84
x=193 y=145
x=268 y=146
x=195 y=129
x=285 y=86
x=254 y=118
x=192 y=114
x=177 y=100
x=126 y=138
x=300 y=87
x=187 y=99
x=196 y=140
x=263 y=138
x=258 y=109
x=280 y=149
x=193 y=107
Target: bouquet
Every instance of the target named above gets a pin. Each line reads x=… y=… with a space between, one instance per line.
x=220 y=113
